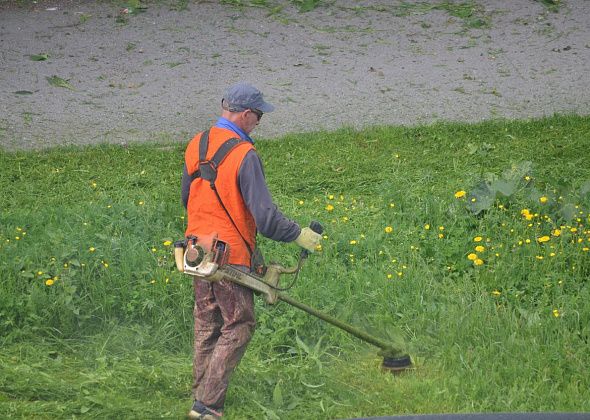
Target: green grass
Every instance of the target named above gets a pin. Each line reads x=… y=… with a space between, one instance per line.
x=109 y=335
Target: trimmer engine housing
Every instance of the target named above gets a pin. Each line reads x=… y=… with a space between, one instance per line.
x=200 y=258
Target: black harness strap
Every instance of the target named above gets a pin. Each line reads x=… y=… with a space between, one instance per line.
x=208 y=170
x=203 y=145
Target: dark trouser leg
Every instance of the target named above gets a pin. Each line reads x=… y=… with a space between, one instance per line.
x=208 y=323
x=236 y=305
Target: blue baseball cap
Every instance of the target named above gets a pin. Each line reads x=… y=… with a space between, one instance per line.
x=244 y=96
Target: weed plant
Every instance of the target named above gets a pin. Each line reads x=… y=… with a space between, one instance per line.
x=491 y=301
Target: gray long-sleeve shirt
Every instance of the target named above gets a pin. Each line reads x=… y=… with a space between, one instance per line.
x=270 y=221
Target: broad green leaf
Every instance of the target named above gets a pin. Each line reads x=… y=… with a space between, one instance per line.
x=59 y=82
x=480 y=198
x=518 y=171
x=277 y=395
x=504 y=187
x=301 y=344
x=471 y=149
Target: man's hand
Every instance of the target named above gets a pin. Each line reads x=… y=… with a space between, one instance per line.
x=308 y=239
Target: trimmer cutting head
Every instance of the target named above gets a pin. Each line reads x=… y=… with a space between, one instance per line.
x=396 y=365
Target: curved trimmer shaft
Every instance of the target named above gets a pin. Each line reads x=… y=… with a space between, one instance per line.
x=387 y=349
x=394 y=358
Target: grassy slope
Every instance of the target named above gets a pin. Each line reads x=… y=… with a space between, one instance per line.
x=111 y=337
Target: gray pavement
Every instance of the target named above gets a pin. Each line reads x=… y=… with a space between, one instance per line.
x=159 y=74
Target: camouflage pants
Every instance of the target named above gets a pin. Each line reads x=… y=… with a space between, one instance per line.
x=224 y=323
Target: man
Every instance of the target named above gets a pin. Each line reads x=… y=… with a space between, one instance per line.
x=235 y=206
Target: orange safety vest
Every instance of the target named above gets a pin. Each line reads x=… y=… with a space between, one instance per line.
x=206 y=215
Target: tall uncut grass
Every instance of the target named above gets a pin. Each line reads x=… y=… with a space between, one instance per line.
x=95 y=322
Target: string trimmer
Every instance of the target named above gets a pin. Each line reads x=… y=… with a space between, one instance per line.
x=206 y=258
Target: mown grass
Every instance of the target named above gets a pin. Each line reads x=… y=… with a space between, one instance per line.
x=95 y=322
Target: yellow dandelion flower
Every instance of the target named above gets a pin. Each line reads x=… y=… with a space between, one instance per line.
x=389 y=275
x=539 y=257
x=543 y=239
x=477 y=239
x=480 y=248
x=400 y=273
x=388 y=229
x=543 y=200
x=39 y=273
x=329 y=207
x=528 y=241
x=441 y=235
x=473 y=200
x=318 y=247
x=141 y=203
x=585 y=249
x=301 y=202
x=427 y=226
x=353 y=242
x=49 y=282
x=478 y=261
x=154 y=249
x=552 y=254
x=17 y=238
x=460 y=194
x=472 y=257
x=331 y=197
x=573 y=230
x=392 y=205
x=556 y=313
x=496 y=293
x=91 y=249
x=167 y=243
x=556 y=232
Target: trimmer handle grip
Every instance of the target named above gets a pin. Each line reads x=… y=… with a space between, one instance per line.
x=316 y=227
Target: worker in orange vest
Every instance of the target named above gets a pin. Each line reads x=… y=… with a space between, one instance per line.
x=225 y=194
